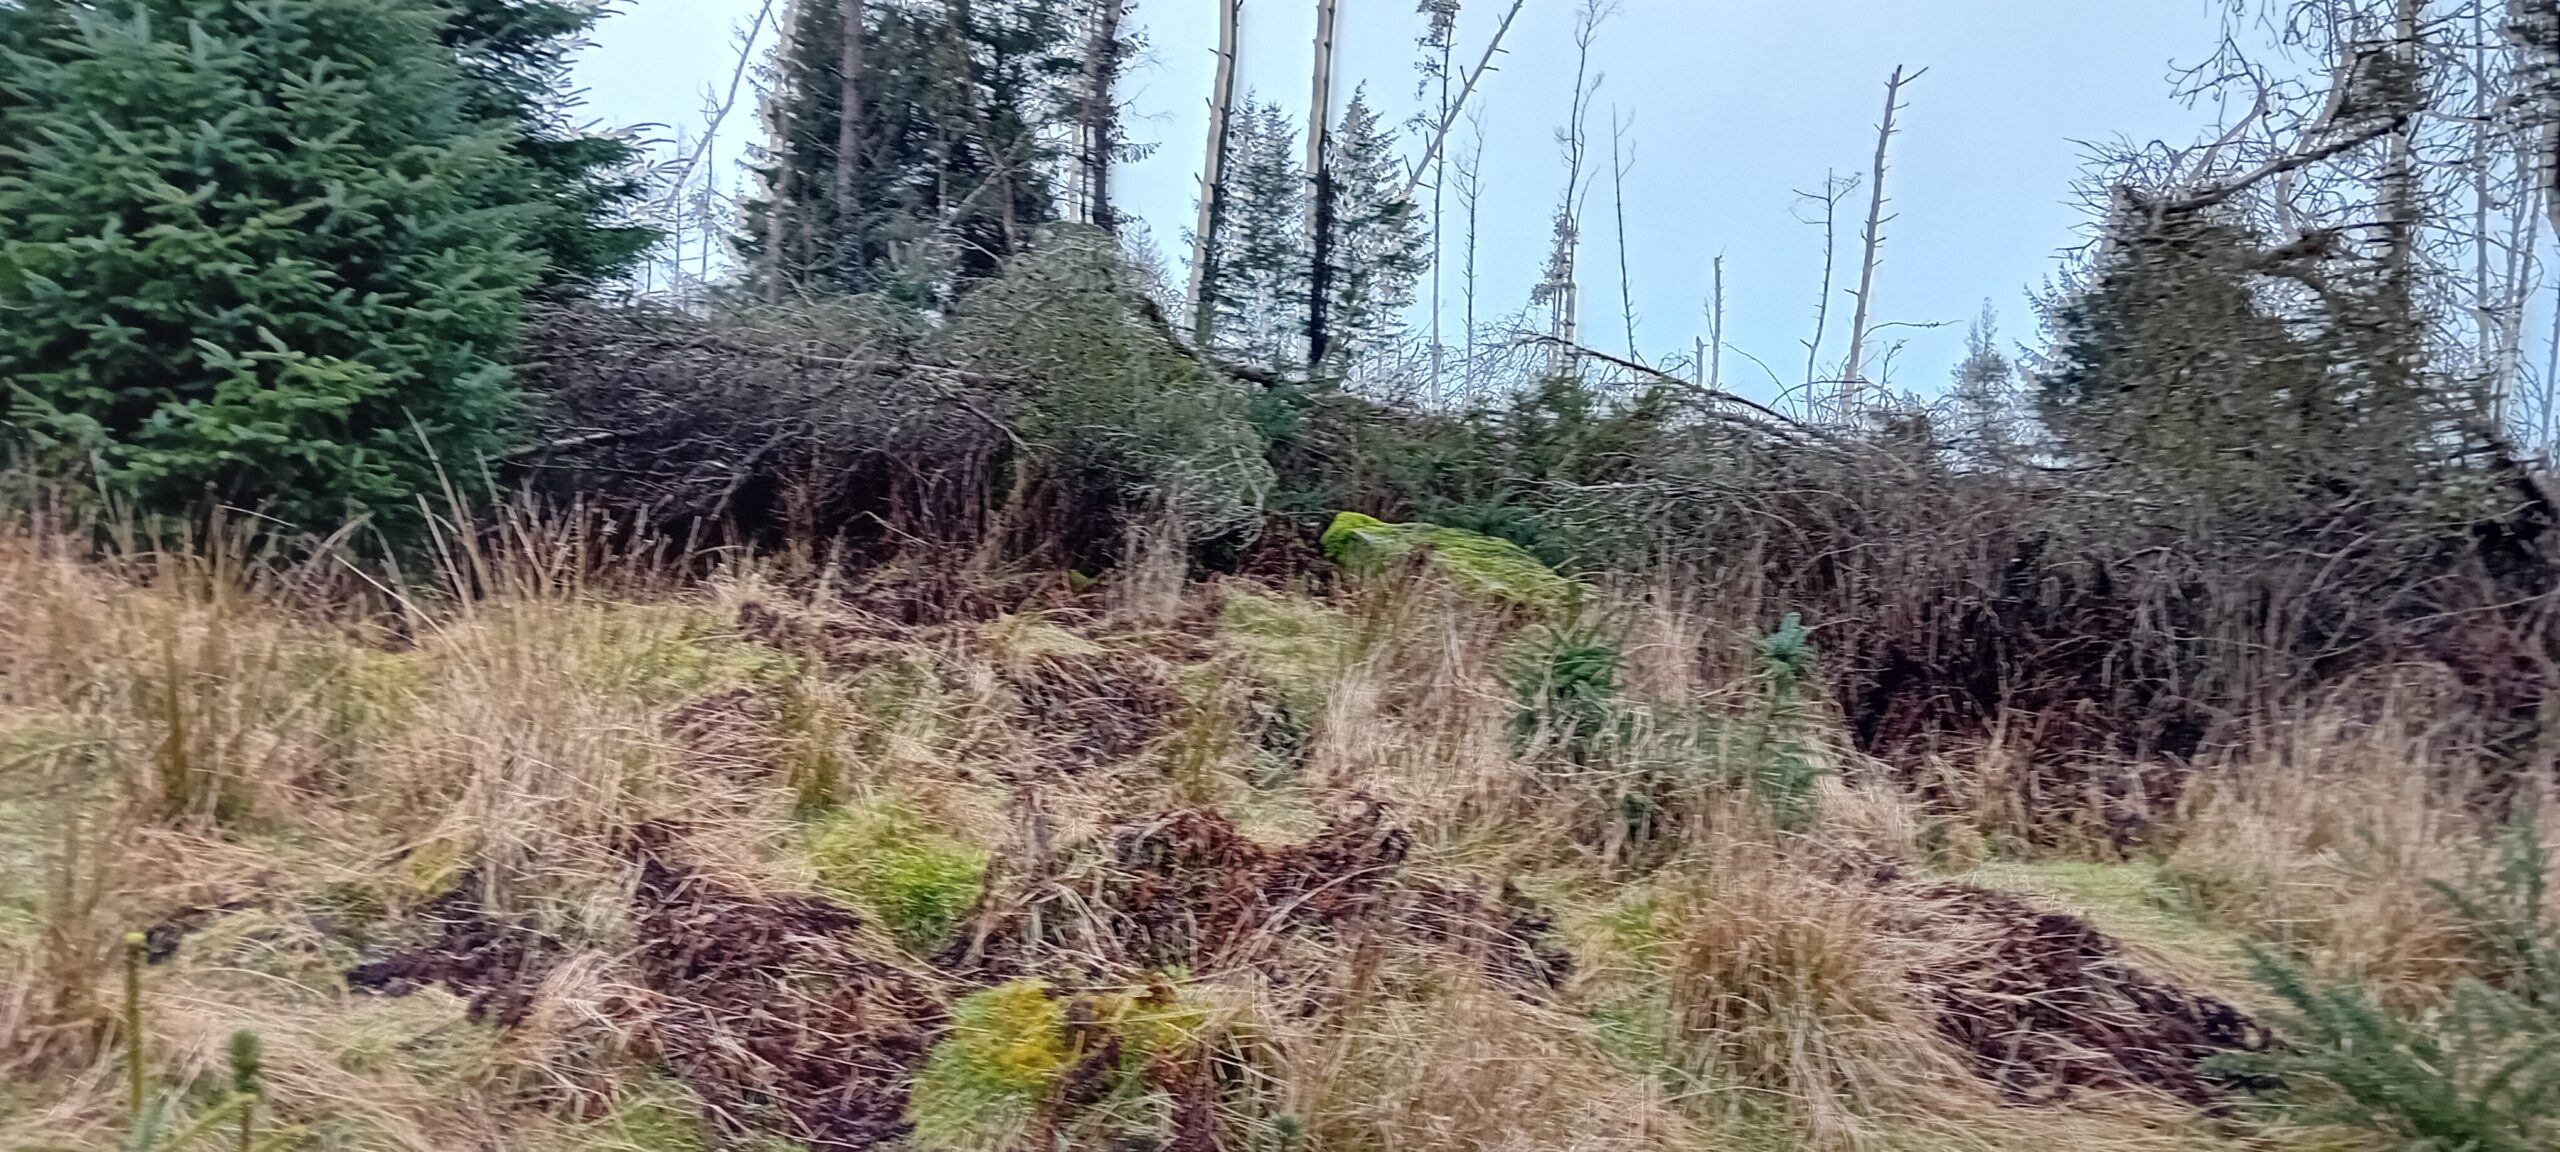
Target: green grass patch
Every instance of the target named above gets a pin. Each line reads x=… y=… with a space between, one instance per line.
x=887 y=861
x=985 y=1084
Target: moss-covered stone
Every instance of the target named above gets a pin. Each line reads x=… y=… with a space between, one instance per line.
x=1482 y=566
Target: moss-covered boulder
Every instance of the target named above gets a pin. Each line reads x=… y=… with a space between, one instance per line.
x=1477 y=564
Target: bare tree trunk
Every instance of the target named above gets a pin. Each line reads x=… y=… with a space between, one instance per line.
x=2535 y=27
x=2400 y=165
x=1618 y=167
x=848 y=111
x=779 y=183
x=1715 y=334
x=1101 y=113
x=2547 y=441
x=1213 y=180
x=1439 y=215
x=1320 y=192
x=1853 y=375
x=1562 y=290
x=1834 y=186
x=1471 y=194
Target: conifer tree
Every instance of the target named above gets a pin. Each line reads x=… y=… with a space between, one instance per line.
x=1263 y=252
x=1261 y=242
x=259 y=252
x=958 y=102
x=1380 y=246
x=515 y=63
x=1985 y=390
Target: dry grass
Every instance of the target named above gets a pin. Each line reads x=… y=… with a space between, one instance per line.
x=2329 y=846
x=284 y=781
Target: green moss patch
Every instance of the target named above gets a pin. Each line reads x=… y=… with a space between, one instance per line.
x=887 y=861
x=1012 y=1046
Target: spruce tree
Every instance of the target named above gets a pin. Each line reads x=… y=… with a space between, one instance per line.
x=1264 y=255
x=515 y=63
x=1380 y=249
x=1985 y=391
x=1261 y=242
x=958 y=102
x=259 y=251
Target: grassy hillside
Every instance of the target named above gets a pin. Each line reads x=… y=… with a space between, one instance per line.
x=592 y=857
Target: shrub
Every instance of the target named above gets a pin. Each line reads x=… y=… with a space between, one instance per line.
x=1566 y=680
x=1783 y=765
x=1126 y=423
x=917 y=881
x=258 y=251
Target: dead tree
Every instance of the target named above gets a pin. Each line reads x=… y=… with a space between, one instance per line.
x=1835 y=188
x=1320 y=189
x=1715 y=333
x=1101 y=114
x=1619 y=166
x=1439 y=137
x=1853 y=375
x=1441 y=39
x=1213 y=180
x=1561 y=291
x=1471 y=198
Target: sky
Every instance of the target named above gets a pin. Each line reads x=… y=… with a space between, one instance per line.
x=1734 y=106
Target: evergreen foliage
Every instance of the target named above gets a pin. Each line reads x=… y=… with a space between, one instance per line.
x=1783 y=766
x=1262 y=243
x=1380 y=249
x=2184 y=368
x=514 y=56
x=1265 y=258
x=259 y=251
x=1984 y=391
x=953 y=175
x=1125 y=423
x=1566 y=678
x=2479 y=1073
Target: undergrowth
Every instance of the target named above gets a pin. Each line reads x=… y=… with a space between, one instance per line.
x=753 y=860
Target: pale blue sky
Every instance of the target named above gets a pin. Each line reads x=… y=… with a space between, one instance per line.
x=1736 y=105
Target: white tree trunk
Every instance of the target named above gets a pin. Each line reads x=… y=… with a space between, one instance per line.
x=1853 y=375
x=1320 y=187
x=1213 y=178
